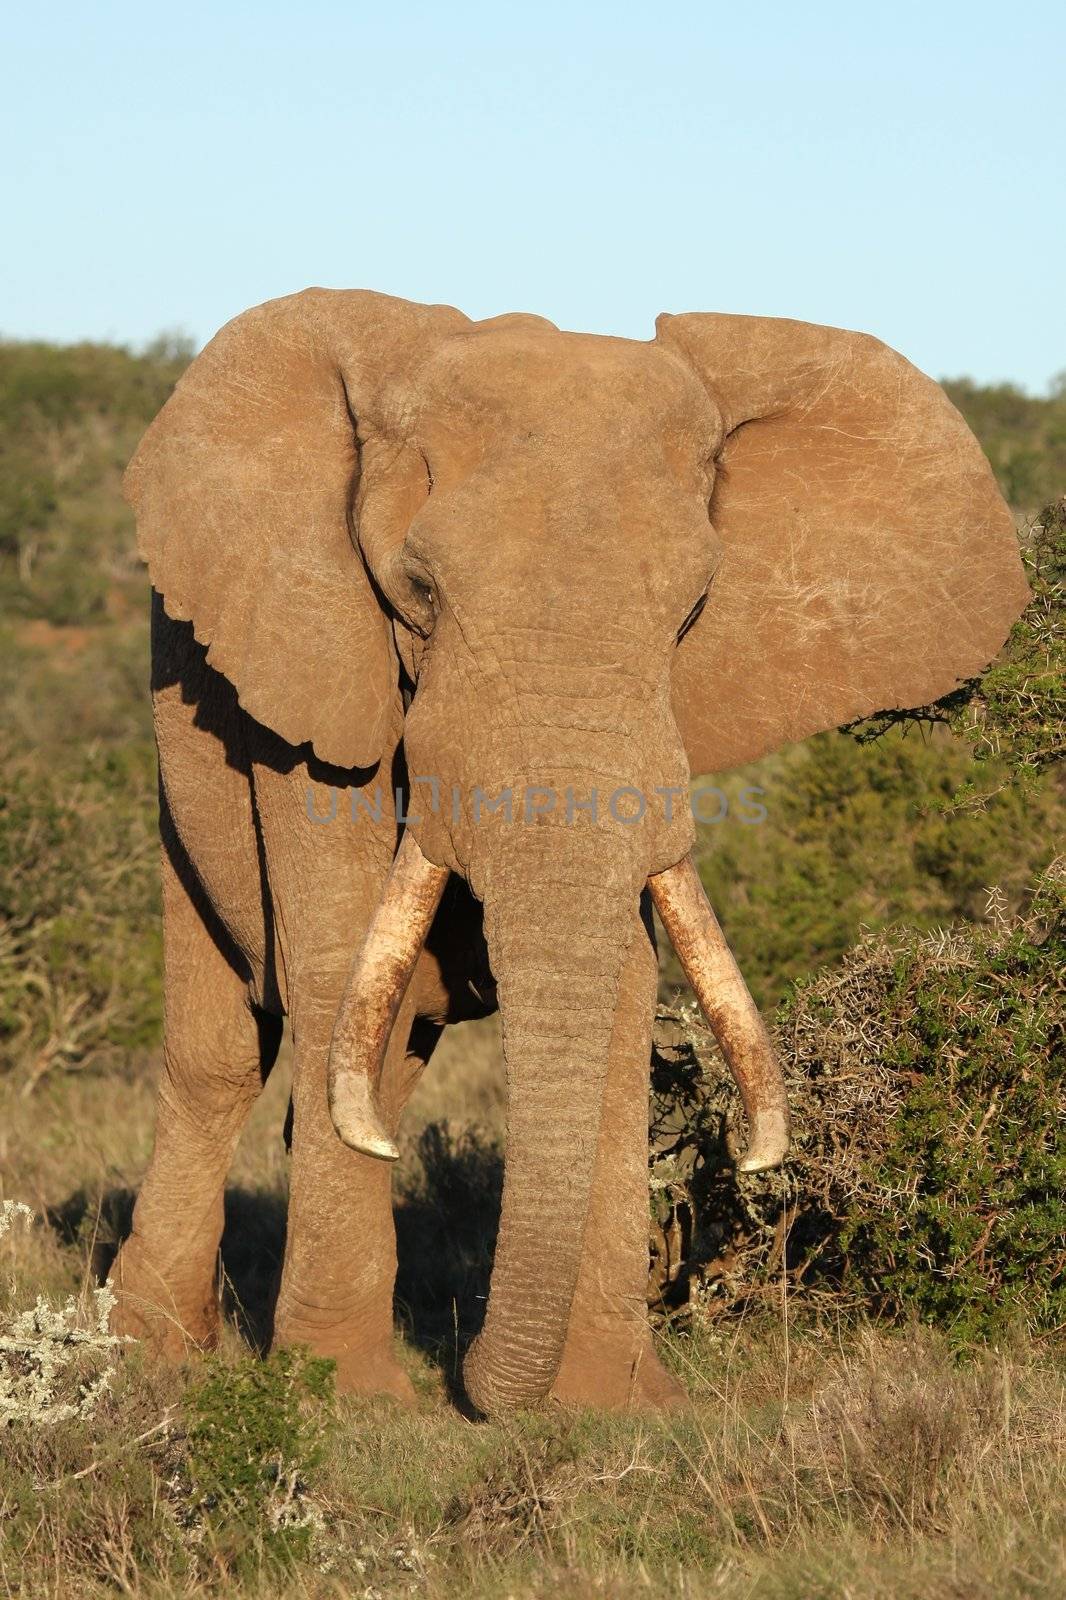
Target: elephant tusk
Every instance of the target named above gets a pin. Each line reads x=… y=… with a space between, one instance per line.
x=376 y=986
x=725 y=1001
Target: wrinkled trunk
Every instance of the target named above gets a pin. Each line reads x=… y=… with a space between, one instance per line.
x=557 y=1000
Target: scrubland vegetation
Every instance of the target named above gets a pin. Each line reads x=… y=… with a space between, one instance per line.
x=1024 y=436
x=872 y=1341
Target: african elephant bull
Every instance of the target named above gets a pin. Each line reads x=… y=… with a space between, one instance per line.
x=546 y=575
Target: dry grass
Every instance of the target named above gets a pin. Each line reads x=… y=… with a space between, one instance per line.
x=867 y=1464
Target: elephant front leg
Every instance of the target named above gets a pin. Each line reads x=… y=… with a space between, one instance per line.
x=609 y=1359
x=336 y=1293
x=217 y=1052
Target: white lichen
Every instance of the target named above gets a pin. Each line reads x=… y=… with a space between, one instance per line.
x=56 y=1362
x=9 y=1210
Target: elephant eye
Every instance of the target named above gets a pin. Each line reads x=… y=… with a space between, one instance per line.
x=420 y=605
x=692 y=617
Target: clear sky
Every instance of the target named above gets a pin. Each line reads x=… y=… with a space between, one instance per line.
x=894 y=167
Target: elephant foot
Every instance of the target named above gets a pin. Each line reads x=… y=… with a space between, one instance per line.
x=152 y=1305
x=383 y=1376
x=604 y=1376
x=356 y=1371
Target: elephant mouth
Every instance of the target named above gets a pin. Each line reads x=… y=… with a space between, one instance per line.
x=394 y=939
x=484 y=992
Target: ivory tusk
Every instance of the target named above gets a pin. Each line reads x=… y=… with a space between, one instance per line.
x=731 y=1013
x=376 y=987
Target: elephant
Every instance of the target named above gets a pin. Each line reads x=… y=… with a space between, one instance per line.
x=504 y=588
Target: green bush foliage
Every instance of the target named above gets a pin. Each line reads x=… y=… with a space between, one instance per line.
x=70 y=418
x=1024 y=436
x=1017 y=711
x=976 y=1153
x=865 y=836
x=926 y=1076
x=80 y=935
x=255 y=1433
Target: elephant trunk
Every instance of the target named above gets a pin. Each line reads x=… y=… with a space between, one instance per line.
x=558 y=1002
x=725 y=1001
x=558 y=996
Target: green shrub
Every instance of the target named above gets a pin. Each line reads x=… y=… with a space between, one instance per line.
x=1024 y=436
x=971 y=1235
x=255 y=1435
x=28 y=495
x=70 y=418
x=929 y=1163
x=864 y=836
x=80 y=935
x=1017 y=710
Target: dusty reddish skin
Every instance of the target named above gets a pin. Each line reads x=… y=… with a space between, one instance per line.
x=383 y=536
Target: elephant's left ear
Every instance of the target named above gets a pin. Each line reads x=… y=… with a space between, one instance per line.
x=868 y=559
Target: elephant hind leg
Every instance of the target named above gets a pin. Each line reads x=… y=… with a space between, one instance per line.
x=218 y=1049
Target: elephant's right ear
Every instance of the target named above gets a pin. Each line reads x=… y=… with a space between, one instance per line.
x=243 y=488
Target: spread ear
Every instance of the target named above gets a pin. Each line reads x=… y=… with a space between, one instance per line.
x=868 y=559
x=243 y=488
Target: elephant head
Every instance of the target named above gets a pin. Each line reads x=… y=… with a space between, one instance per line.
x=590 y=566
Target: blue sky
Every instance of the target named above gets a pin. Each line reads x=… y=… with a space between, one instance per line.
x=897 y=168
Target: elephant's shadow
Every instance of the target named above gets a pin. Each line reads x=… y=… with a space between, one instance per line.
x=446 y=1221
